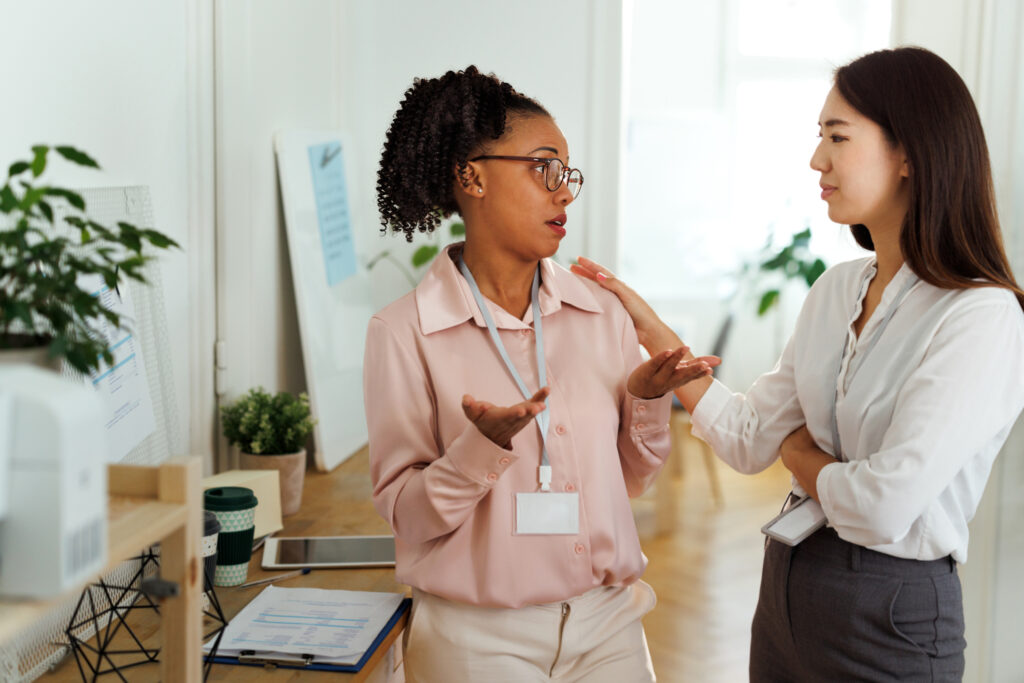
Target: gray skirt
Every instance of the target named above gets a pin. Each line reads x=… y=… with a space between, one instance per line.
x=830 y=610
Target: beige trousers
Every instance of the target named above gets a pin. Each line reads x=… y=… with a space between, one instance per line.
x=597 y=637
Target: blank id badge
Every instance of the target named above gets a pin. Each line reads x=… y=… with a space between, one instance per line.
x=797 y=523
x=547 y=513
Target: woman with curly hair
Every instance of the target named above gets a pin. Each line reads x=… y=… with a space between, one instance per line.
x=510 y=414
x=899 y=386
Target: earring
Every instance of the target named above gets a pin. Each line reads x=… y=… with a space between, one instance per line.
x=480 y=190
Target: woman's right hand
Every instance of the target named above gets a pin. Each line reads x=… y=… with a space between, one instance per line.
x=501 y=423
x=654 y=334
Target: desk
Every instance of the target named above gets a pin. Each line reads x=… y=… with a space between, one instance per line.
x=333 y=504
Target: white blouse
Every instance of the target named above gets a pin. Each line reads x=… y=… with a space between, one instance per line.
x=920 y=422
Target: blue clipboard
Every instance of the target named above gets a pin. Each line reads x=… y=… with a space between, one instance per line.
x=313 y=665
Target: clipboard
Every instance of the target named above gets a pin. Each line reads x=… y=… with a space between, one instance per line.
x=309 y=662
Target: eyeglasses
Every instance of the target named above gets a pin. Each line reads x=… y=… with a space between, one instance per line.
x=555 y=172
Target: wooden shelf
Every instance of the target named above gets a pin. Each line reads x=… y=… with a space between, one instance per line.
x=148 y=505
x=334 y=504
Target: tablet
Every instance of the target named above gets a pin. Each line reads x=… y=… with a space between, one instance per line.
x=329 y=551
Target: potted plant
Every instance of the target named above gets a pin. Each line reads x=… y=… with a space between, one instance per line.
x=47 y=314
x=794 y=261
x=270 y=432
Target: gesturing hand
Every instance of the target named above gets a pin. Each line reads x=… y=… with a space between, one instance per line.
x=501 y=423
x=667 y=371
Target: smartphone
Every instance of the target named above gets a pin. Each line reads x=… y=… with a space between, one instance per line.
x=329 y=551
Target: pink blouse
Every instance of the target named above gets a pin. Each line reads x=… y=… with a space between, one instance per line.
x=448 y=491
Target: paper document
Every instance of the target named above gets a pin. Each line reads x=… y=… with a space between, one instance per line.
x=328 y=169
x=332 y=626
x=123 y=387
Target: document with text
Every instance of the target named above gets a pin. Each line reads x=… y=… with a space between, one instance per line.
x=326 y=626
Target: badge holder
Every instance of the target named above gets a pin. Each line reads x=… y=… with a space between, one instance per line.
x=797 y=523
x=545 y=512
x=541 y=512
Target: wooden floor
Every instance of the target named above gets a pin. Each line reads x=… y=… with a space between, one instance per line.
x=706 y=571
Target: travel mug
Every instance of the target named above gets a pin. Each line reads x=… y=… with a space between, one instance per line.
x=211 y=529
x=235 y=508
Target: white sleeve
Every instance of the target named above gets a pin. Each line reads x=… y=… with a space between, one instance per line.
x=746 y=430
x=967 y=391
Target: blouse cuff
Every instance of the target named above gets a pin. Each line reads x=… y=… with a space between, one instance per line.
x=708 y=408
x=647 y=415
x=824 y=493
x=479 y=459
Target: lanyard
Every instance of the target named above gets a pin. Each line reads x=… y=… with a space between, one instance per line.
x=837 y=445
x=543 y=418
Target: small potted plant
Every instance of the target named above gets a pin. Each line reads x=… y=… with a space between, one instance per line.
x=47 y=313
x=270 y=432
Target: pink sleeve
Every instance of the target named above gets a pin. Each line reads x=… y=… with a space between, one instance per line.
x=423 y=489
x=644 y=436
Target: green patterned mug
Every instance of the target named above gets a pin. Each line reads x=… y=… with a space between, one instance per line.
x=235 y=507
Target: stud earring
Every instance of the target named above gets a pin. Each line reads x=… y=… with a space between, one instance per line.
x=480 y=190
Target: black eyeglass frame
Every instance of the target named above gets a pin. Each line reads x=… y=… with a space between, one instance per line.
x=566 y=171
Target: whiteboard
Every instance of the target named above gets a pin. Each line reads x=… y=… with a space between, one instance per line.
x=332 y=290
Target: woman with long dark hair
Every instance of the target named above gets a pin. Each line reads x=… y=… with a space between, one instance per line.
x=901 y=382
x=519 y=542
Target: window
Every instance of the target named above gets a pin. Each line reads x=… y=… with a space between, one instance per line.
x=722 y=111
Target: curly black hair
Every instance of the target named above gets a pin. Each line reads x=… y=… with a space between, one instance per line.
x=440 y=121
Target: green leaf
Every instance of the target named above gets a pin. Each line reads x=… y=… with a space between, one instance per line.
x=73 y=198
x=159 y=240
x=47 y=211
x=8 y=202
x=39 y=161
x=458 y=229
x=423 y=255
x=32 y=196
x=802 y=239
x=130 y=239
x=779 y=260
x=21 y=311
x=17 y=168
x=77 y=156
x=814 y=271
x=768 y=300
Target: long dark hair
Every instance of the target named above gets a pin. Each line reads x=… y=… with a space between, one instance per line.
x=950 y=236
x=440 y=121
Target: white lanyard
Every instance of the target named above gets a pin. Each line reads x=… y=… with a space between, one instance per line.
x=856 y=364
x=543 y=418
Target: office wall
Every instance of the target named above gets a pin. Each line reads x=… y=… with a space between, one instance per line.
x=122 y=79
x=277 y=66
x=982 y=41
x=324 y=64
x=567 y=55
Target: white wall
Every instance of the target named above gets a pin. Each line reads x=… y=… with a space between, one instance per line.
x=121 y=80
x=566 y=55
x=982 y=41
x=277 y=66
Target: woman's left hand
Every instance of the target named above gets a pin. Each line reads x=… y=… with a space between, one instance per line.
x=667 y=371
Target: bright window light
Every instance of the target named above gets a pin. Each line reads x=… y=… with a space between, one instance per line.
x=722 y=121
